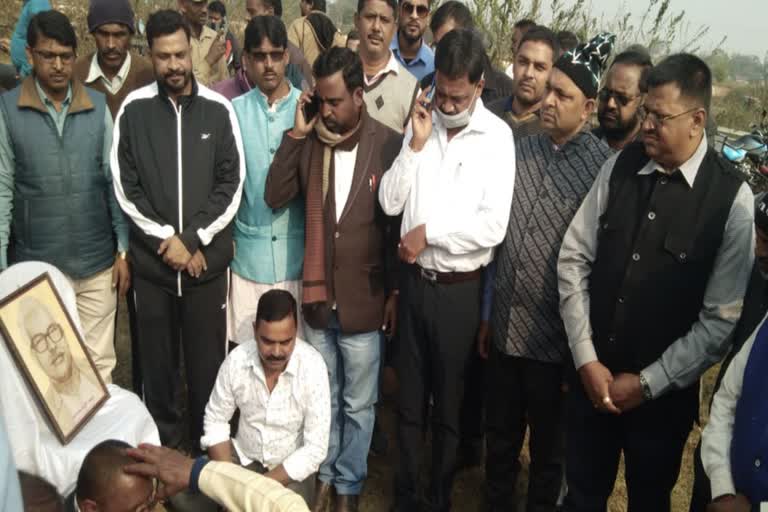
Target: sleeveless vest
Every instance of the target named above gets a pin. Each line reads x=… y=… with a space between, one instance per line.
x=657 y=244
x=749 y=444
x=60 y=200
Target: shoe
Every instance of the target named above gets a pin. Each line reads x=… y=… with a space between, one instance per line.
x=346 y=503
x=323 y=495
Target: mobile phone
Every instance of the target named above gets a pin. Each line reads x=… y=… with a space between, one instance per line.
x=311 y=108
x=430 y=95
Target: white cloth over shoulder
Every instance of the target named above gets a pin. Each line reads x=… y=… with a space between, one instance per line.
x=35 y=447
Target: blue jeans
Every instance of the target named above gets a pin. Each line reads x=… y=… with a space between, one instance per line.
x=353 y=370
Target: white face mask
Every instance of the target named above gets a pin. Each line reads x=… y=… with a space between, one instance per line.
x=460 y=119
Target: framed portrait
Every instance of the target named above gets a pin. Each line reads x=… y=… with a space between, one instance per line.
x=49 y=351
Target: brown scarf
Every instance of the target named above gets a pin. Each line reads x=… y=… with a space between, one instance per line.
x=315 y=294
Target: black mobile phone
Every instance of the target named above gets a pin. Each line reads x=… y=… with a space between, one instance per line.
x=311 y=109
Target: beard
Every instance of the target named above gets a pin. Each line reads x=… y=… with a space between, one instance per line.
x=172 y=84
x=616 y=128
x=411 y=38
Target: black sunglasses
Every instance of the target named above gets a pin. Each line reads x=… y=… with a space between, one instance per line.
x=606 y=94
x=408 y=8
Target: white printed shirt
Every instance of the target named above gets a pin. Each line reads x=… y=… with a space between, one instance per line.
x=290 y=426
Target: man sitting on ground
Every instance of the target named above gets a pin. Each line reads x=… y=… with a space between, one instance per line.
x=280 y=385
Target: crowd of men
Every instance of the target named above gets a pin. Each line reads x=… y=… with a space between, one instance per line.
x=293 y=216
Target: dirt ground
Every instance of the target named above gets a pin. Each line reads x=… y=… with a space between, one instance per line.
x=468 y=487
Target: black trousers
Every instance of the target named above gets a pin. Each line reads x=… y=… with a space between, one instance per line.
x=520 y=393
x=437 y=324
x=473 y=411
x=653 y=438
x=196 y=320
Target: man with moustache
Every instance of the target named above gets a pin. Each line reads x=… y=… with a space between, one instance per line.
x=269 y=243
x=652 y=273
x=389 y=89
x=534 y=59
x=408 y=45
x=529 y=349
x=621 y=100
x=113 y=69
x=454 y=199
x=297 y=60
x=56 y=199
x=335 y=162
x=280 y=385
x=179 y=172
x=209 y=48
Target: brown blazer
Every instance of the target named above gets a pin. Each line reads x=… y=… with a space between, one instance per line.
x=361 y=249
x=140 y=74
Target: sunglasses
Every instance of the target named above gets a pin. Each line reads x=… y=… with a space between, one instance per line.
x=408 y=9
x=275 y=56
x=606 y=94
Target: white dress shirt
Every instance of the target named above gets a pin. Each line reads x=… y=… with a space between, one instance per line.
x=705 y=343
x=114 y=85
x=289 y=426
x=718 y=434
x=461 y=190
x=343 y=172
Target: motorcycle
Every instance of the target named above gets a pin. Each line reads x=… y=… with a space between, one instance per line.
x=749 y=153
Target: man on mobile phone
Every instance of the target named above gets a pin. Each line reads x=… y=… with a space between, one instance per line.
x=335 y=162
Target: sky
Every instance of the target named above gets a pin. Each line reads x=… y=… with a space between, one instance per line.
x=745 y=22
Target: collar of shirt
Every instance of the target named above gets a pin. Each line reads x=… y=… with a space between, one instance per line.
x=688 y=169
x=48 y=103
x=424 y=55
x=276 y=104
x=393 y=66
x=96 y=72
x=254 y=362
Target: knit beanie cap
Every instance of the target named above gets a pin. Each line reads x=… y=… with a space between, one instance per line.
x=102 y=12
x=585 y=63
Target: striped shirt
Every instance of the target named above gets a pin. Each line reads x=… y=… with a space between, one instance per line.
x=550 y=185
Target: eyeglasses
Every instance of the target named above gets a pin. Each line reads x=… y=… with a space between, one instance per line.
x=658 y=120
x=53 y=336
x=50 y=57
x=408 y=9
x=606 y=94
x=262 y=56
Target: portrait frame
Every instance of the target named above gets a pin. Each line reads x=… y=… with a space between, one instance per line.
x=40 y=294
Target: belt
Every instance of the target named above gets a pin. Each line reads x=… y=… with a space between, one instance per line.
x=434 y=276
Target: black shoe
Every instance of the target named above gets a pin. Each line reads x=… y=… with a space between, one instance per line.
x=323 y=495
x=346 y=503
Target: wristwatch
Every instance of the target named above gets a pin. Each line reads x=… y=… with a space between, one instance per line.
x=123 y=255
x=647 y=395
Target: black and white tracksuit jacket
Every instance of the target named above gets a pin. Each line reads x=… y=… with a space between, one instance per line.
x=178 y=170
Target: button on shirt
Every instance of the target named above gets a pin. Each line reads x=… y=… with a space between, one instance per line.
x=420 y=66
x=289 y=426
x=114 y=85
x=688 y=357
x=461 y=190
